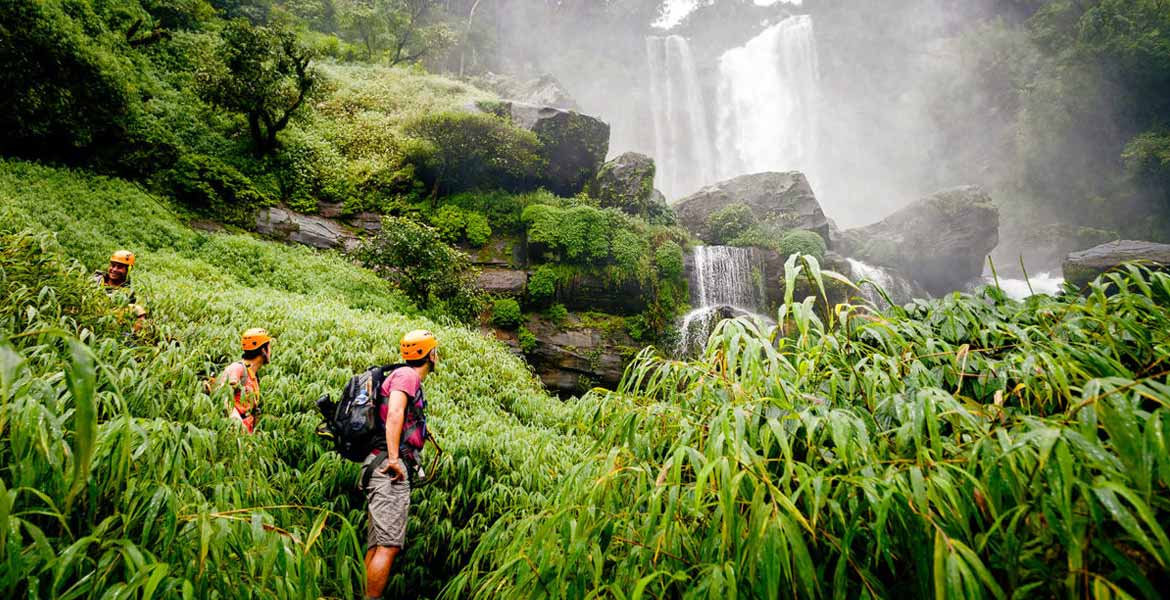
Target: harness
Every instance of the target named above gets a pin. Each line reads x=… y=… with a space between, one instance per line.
x=247 y=412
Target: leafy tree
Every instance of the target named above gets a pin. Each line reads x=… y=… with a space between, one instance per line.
x=471 y=150
x=67 y=93
x=263 y=73
x=400 y=31
x=431 y=273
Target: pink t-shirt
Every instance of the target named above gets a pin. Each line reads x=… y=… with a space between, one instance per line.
x=403 y=379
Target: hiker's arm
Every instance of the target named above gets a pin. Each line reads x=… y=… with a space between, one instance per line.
x=234 y=375
x=395 y=415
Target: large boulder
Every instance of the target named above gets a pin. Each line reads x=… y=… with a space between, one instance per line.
x=783 y=200
x=503 y=282
x=1082 y=267
x=572 y=358
x=941 y=241
x=626 y=182
x=544 y=90
x=309 y=230
x=573 y=145
x=586 y=292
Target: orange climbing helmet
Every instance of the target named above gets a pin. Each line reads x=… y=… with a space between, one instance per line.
x=417 y=344
x=124 y=257
x=254 y=338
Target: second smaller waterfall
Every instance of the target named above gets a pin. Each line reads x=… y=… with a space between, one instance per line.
x=897 y=288
x=726 y=281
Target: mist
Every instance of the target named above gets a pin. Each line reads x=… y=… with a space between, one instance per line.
x=885 y=105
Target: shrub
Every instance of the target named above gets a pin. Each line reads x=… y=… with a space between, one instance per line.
x=428 y=271
x=456 y=225
x=215 y=188
x=502 y=209
x=506 y=313
x=542 y=285
x=669 y=260
x=527 y=340
x=478 y=231
x=579 y=234
x=800 y=241
x=729 y=222
x=475 y=151
x=450 y=222
x=310 y=169
x=557 y=313
x=627 y=249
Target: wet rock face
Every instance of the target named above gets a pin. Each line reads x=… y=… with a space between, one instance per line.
x=940 y=242
x=573 y=359
x=1080 y=268
x=784 y=200
x=573 y=145
x=309 y=230
x=544 y=90
x=503 y=282
x=627 y=183
x=594 y=293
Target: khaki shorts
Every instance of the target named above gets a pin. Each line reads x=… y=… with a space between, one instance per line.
x=389 y=503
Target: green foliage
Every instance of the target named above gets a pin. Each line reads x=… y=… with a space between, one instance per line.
x=262 y=73
x=431 y=273
x=501 y=208
x=472 y=150
x=61 y=63
x=86 y=503
x=669 y=260
x=478 y=229
x=455 y=225
x=906 y=454
x=213 y=188
x=729 y=222
x=506 y=313
x=800 y=241
x=527 y=340
x=542 y=284
x=558 y=314
x=395 y=31
x=582 y=234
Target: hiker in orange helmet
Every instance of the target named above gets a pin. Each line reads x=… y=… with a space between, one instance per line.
x=116 y=278
x=241 y=376
x=387 y=486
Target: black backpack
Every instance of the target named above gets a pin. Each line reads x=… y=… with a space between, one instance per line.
x=352 y=422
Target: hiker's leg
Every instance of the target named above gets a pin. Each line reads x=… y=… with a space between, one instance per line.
x=378 y=562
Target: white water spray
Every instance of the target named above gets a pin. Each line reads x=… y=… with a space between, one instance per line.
x=768 y=99
x=682 y=139
x=898 y=289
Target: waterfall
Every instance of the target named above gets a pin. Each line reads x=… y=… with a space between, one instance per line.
x=898 y=288
x=768 y=103
x=726 y=281
x=682 y=140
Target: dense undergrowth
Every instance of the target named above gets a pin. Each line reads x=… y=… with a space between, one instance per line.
x=120 y=475
x=971 y=446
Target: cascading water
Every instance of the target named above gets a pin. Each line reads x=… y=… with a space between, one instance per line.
x=725 y=281
x=768 y=103
x=682 y=139
x=898 y=289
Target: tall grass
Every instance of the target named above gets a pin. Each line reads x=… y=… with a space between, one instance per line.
x=119 y=476
x=970 y=446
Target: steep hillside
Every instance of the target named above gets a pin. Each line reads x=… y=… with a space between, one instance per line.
x=175 y=500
